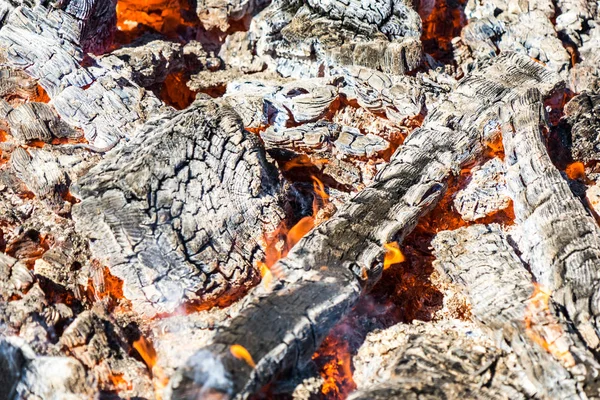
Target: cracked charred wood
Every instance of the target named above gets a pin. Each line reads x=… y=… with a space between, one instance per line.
x=498 y=26
x=558 y=237
x=504 y=298
x=180 y=212
x=442 y=360
x=95 y=19
x=325 y=273
x=42 y=175
x=106 y=106
x=582 y=114
x=485 y=193
x=220 y=14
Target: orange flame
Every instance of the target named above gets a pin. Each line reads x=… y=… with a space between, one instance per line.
x=148 y=354
x=302 y=162
x=548 y=334
x=393 y=255
x=241 y=353
x=163 y=16
x=119 y=382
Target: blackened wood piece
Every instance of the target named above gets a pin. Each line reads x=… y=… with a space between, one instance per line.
x=35 y=121
x=559 y=239
x=180 y=212
x=440 y=361
x=336 y=261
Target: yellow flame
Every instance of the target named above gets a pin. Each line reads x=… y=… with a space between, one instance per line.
x=393 y=255
x=266 y=274
x=241 y=353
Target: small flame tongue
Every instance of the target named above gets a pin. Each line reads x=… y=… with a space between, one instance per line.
x=148 y=354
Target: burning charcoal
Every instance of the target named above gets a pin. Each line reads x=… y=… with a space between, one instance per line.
x=504 y=298
x=179 y=213
x=96 y=100
x=558 y=238
x=485 y=193
x=350 y=245
x=498 y=26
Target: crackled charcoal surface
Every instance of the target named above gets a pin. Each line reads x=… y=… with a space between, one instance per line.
x=179 y=212
x=349 y=245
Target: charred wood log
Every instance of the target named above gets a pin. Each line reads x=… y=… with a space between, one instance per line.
x=25 y=375
x=441 y=360
x=558 y=237
x=323 y=276
x=582 y=114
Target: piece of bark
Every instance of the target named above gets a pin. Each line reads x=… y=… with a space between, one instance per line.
x=180 y=212
x=504 y=298
x=485 y=193
x=558 y=237
x=325 y=273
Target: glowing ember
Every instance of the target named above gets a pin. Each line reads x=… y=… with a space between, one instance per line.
x=302 y=162
x=337 y=370
x=393 y=255
x=175 y=91
x=548 y=334
x=164 y=16
x=241 y=353
x=575 y=170
x=119 y=383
